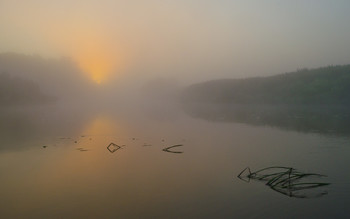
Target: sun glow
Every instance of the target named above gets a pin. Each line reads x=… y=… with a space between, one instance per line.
x=95 y=51
x=97 y=65
x=96 y=58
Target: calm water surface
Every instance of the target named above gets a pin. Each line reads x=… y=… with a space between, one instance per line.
x=54 y=163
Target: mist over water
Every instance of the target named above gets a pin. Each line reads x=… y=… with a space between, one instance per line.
x=135 y=149
x=174 y=109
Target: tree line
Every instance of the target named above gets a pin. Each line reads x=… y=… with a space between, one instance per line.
x=327 y=85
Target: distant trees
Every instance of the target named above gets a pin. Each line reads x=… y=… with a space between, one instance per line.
x=60 y=77
x=328 y=85
x=15 y=90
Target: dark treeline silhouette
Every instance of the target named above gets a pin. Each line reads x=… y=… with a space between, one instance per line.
x=15 y=91
x=328 y=85
x=34 y=79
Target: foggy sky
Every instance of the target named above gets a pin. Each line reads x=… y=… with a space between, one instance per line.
x=192 y=40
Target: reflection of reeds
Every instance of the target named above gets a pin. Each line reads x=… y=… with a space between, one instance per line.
x=285 y=180
x=176 y=152
x=113 y=147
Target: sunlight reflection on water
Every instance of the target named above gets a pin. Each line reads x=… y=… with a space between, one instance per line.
x=75 y=175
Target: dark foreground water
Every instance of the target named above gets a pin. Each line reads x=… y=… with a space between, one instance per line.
x=54 y=163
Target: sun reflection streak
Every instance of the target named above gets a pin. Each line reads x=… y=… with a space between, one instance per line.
x=68 y=165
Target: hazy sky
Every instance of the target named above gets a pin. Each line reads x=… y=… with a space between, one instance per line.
x=192 y=40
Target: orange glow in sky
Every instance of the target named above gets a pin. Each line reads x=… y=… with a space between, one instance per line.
x=95 y=58
x=97 y=64
x=91 y=46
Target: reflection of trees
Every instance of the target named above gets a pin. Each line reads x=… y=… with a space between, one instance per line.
x=287 y=181
x=319 y=119
x=171 y=151
x=24 y=127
